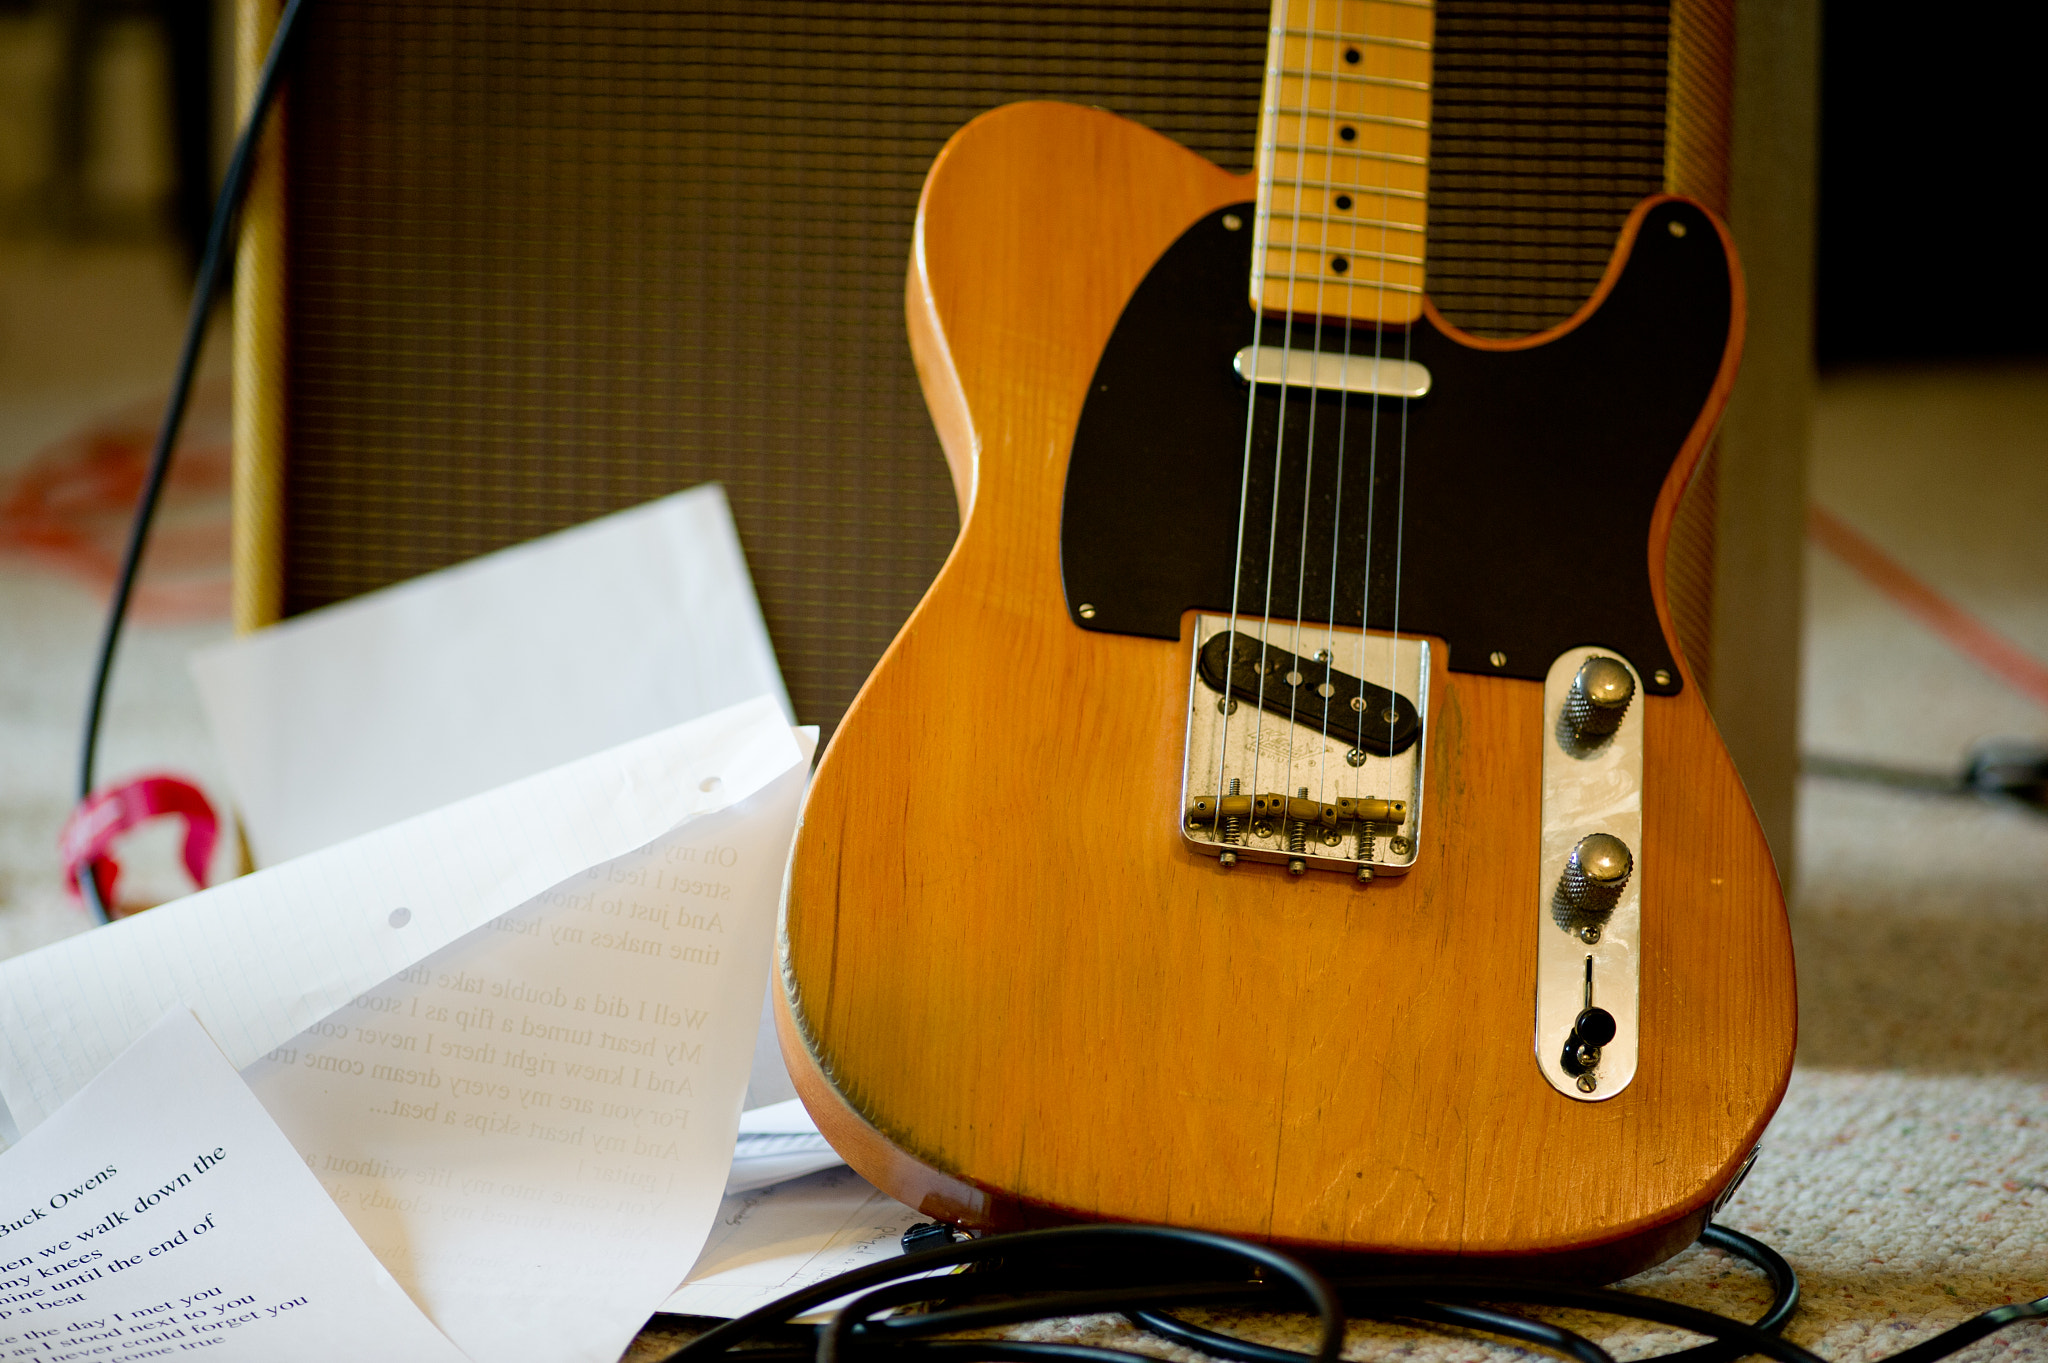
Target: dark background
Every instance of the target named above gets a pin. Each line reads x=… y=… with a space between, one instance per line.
x=1934 y=145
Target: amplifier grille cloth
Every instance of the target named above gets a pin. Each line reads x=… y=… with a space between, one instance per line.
x=547 y=261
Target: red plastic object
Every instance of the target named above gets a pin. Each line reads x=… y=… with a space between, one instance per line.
x=107 y=814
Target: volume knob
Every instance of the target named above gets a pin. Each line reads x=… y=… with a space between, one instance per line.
x=1594 y=876
x=1599 y=698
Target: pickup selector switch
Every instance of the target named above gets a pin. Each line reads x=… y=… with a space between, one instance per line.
x=1597 y=703
x=1592 y=1029
x=1595 y=874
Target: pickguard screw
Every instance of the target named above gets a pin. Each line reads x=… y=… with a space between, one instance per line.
x=1661 y=676
x=1086 y=612
x=1497 y=658
x=1356 y=757
x=1226 y=706
x=1331 y=839
x=1401 y=846
x=1587 y=1083
x=1589 y=934
x=1322 y=655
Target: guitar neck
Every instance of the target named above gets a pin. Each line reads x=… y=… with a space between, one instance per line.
x=1344 y=160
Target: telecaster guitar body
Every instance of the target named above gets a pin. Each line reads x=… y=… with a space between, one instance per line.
x=1014 y=992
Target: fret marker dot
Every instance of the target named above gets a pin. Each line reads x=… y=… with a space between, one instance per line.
x=709 y=784
x=1677 y=227
x=399 y=917
x=1231 y=222
x=1353 y=55
x=1339 y=265
x=1348 y=133
x=1344 y=203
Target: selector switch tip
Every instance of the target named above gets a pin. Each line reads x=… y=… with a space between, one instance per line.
x=1592 y=1029
x=1594 y=1026
x=1597 y=703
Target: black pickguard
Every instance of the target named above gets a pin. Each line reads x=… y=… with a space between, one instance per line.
x=1513 y=501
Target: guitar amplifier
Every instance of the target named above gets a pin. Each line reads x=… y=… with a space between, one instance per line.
x=513 y=265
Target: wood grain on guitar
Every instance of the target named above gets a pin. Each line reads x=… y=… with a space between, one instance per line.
x=1013 y=994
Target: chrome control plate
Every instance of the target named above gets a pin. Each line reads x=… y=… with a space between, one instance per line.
x=1598 y=791
x=1265 y=752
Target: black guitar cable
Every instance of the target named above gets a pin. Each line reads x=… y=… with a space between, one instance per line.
x=213 y=263
x=1028 y=1275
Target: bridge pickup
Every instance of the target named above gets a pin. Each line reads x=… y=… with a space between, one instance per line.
x=1308 y=692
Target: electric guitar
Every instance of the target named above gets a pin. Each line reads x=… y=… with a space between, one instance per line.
x=1289 y=813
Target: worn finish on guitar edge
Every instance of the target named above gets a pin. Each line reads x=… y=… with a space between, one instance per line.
x=1012 y=995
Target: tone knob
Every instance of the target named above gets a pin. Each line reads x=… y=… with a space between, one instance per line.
x=1594 y=876
x=1599 y=698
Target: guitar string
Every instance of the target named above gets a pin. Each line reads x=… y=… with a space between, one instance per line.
x=1328 y=692
x=1268 y=122
x=1392 y=714
x=1315 y=391
x=1344 y=410
x=1311 y=32
x=1279 y=421
x=1386 y=770
x=1338 y=44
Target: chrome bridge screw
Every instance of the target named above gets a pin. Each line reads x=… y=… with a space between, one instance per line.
x=1297 y=842
x=1233 y=830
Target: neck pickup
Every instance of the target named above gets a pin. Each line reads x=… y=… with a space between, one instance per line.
x=1335 y=372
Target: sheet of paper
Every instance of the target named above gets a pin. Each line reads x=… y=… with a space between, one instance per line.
x=774 y=1241
x=354 y=717
x=532 y=1127
x=161 y=1213
x=262 y=958
x=776 y=1143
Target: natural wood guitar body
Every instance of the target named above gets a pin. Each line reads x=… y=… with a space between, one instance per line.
x=1011 y=995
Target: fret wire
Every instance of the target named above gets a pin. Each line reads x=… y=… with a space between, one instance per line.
x=1313 y=149
x=1388 y=120
x=1296 y=248
x=1391 y=82
x=1325 y=281
x=1412 y=44
x=1354 y=188
x=1350 y=220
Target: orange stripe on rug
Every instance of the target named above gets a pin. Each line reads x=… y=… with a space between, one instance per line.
x=1983 y=645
